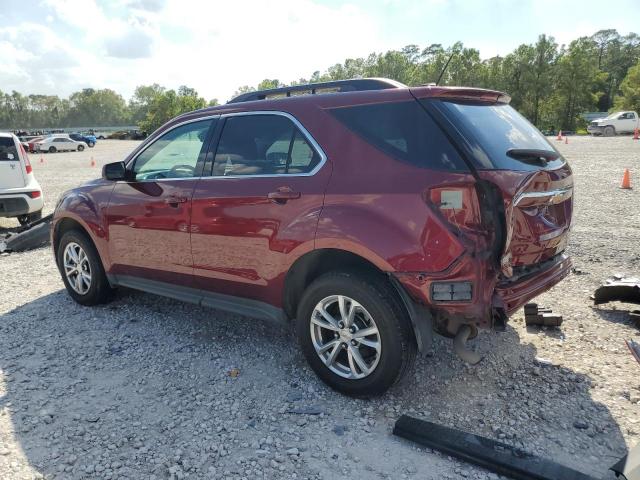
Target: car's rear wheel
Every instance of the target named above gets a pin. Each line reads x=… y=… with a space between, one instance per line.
x=609 y=131
x=52 y=150
x=355 y=334
x=30 y=217
x=80 y=148
x=91 y=144
x=81 y=269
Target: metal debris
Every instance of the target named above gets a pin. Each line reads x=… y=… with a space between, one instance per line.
x=535 y=315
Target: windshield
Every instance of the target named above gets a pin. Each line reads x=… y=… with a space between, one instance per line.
x=496 y=129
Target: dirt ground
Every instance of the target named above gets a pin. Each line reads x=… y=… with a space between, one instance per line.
x=141 y=388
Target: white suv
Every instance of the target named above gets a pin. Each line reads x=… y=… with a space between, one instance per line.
x=59 y=143
x=20 y=193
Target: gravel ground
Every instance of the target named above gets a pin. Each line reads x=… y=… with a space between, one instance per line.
x=147 y=387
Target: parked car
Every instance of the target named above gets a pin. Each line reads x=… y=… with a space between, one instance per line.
x=32 y=143
x=59 y=143
x=364 y=219
x=618 y=122
x=20 y=193
x=90 y=140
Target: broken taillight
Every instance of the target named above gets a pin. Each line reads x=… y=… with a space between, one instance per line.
x=458 y=205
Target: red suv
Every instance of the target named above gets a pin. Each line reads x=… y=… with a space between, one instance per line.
x=365 y=213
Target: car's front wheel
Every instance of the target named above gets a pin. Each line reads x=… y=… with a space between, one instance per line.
x=91 y=144
x=80 y=148
x=52 y=150
x=609 y=131
x=355 y=334
x=81 y=268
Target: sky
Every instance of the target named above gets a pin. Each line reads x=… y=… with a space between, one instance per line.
x=61 y=46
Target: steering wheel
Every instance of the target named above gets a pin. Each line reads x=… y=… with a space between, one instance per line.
x=181 y=171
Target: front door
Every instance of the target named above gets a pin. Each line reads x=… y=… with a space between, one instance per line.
x=149 y=216
x=260 y=207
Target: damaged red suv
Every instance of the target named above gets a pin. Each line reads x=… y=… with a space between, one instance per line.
x=362 y=213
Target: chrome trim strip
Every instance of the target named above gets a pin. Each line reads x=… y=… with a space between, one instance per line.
x=554 y=196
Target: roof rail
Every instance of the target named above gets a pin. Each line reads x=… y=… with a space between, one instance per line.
x=353 y=85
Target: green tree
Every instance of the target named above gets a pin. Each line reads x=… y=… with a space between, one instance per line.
x=168 y=104
x=629 y=99
x=141 y=101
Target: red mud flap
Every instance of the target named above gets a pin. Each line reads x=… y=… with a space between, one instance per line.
x=495 y=456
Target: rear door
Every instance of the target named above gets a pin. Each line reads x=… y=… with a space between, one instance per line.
x=260 y=208
x=12 y=173
x=534 y=180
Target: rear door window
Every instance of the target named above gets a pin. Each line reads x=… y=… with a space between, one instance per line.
x=263 y=144
x=496 y=129
x=403 y=130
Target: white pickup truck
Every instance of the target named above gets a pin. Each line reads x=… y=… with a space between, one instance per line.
x=618 y=122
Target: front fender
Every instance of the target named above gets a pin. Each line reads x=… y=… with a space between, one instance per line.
x=84 y=206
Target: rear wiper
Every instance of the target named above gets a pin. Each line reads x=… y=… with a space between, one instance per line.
x=533 y=156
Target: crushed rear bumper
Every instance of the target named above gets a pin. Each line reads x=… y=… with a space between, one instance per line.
x=491 y=301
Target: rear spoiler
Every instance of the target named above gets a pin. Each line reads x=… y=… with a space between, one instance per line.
x=464 y=94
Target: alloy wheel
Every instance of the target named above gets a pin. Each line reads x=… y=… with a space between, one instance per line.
x=77 y=268
x=345 y=337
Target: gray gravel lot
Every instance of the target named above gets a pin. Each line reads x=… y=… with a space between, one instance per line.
x=147 y=387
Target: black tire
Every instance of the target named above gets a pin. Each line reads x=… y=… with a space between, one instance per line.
x=91 y=144
x=609 y=131
x=52 y=150
x=398 y=346
x=30 y=217
x=80 y=148
x=99 y=291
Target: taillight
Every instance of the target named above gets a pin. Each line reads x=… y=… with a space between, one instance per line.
x=27 y=164
x=35 y=194
x=458 y=205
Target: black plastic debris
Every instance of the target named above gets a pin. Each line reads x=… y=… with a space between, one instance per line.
x=618 y=288
x=493 y=455
x=33 y=235
x=628 y=467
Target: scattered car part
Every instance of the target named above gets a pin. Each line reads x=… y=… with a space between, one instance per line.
x=623 y=289
x=628 y=467
x=634 y=347
x=33 y=235
x=634 y=316
x=495 y=456
x=460 y=346
x=535 y=315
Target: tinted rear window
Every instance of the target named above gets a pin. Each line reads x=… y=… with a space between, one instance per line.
x=497 y=129
x=8 y=149
x=403 y=130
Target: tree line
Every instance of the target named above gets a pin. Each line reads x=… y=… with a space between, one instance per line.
x=551 y=84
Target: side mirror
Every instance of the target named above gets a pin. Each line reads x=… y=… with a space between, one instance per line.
x=114 y=171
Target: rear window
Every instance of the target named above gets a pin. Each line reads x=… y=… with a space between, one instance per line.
x=8 y=150
x=497 y=129
x=403 y=130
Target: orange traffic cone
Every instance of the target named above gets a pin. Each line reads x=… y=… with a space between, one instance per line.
x=559 y=135
x=626 y=180
x=41 y=159
x=93 y=162
x=636 y=134
x=566 y=140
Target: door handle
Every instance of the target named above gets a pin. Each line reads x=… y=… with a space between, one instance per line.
x=282 y=195
x=174 y=200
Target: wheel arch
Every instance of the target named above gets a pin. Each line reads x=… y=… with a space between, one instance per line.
x=313 y=264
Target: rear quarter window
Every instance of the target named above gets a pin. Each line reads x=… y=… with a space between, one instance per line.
x=403 y=130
